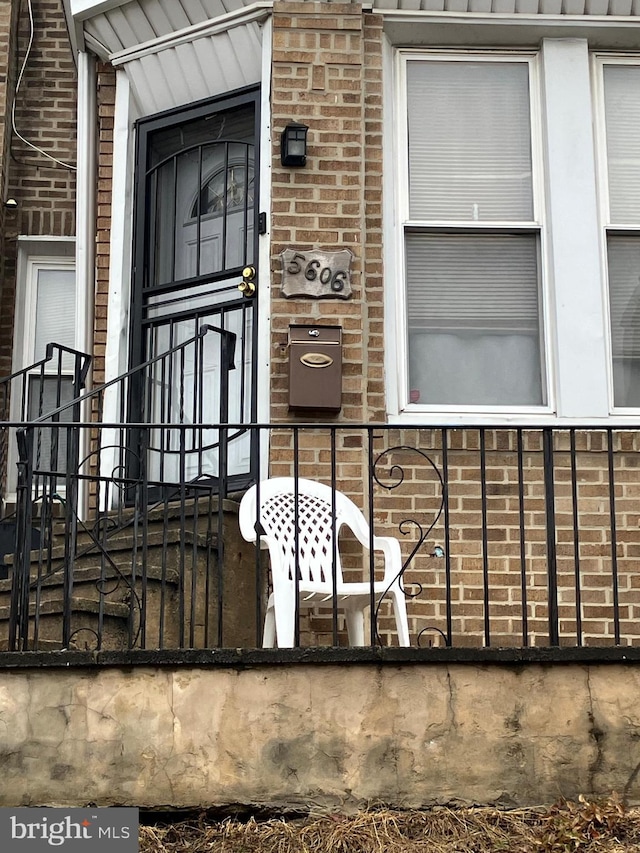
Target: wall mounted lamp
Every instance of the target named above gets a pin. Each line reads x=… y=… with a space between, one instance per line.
x=11 y=204
x=293 y=145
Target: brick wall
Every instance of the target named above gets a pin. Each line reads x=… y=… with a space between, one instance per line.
x=46 y=117
x=7 y=267
x=327 y=74
x=106 y=81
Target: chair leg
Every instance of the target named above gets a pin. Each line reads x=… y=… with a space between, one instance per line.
x=284 y=607
x=269 y=633
x=355 y=626
x=400 y=612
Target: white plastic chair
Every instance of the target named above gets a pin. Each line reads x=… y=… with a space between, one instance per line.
x=276 y=517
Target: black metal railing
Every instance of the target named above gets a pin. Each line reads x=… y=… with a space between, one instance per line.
x=509 y=537
x=140 y=462
x=53 y=382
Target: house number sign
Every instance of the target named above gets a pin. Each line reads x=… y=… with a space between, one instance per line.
x=316 y=274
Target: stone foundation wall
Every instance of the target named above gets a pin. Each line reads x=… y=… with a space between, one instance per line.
x=334 y=737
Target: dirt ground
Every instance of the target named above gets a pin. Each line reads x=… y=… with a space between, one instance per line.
x=585 y=826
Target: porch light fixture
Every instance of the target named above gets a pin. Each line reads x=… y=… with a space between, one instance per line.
x=11 y=204
x=293 y=145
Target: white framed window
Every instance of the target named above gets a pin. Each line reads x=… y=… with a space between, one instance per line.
x=50 y=317
x=46 y=311
x=618 y=88
x=495 y=304
x=472 y=232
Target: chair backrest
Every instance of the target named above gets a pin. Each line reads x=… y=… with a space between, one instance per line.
x=277 y=517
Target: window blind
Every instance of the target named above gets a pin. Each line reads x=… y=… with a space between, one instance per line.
x=473 y=281
x=623 y=253
x=622 y=117
x=55 y=311
x=469 y=141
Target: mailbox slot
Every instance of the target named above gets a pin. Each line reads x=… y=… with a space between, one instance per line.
x=315 y=368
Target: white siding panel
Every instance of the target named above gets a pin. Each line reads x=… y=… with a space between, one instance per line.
x=597 y=7
x=573 y=7
x=189 y=66
x=527 y=7
x=551 y=7
x=620 y=7
x=126 y=32
x=101 y=28
x=211 y=66
x=171 y=14
x=241 y=49
x=139 y=22
x=504 y=7
x=143 y=20
x=141 y=88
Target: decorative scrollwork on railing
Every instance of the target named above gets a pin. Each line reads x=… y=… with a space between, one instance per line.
x=73 y=639
x=435 y=631
x=396 y=474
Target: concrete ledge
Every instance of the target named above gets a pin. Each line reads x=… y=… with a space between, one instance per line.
x=303 y=736
x=241 y=658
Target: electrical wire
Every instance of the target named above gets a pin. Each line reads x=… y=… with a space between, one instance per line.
x=69 y=166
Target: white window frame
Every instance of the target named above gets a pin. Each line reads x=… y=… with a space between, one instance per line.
x=575 y=347
x=35 y=254
x=598 y=61
x=36 y=264
x=536 y=224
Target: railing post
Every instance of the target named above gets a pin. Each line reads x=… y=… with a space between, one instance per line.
x=19 y=609
x=71 y=525
x=550 y=511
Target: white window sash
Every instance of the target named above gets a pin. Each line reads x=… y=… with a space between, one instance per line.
x=609 y=228
x=406 y=224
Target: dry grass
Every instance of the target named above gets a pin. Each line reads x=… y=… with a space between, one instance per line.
x=584 y=826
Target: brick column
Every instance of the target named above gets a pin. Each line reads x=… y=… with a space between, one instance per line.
x=106 y=111
x=46 y=117
x=327 y=74
x=7 y=18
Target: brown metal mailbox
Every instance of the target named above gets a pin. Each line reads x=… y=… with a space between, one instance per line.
x=315 y=368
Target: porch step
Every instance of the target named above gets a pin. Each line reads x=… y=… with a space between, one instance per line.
x=156 y=517
x=84 y=619
x=124 y=542
x=176 y=605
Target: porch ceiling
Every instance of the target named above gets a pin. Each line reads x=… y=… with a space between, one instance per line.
x=139 y=21
x=175 y=51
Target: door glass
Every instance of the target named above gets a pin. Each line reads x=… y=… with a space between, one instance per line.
x=202 y=196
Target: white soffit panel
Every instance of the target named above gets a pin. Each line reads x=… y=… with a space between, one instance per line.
x=140 y=21
x=569 y=8
x=200 y=69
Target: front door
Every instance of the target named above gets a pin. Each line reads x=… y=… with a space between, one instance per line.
x=196 y=234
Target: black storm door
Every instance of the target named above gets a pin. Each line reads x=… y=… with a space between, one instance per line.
x=195 y=242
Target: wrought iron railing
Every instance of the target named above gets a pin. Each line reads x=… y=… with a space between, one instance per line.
x=510 y=537
x=72 y=485
x=53 y=382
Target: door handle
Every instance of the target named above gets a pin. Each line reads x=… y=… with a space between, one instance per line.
x=248 y=285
